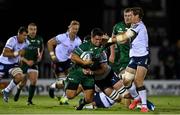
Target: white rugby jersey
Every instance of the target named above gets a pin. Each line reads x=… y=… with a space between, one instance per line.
x=65 y=46
x=139 y=46
x=12 y=43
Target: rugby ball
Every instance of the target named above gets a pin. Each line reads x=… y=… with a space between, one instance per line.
x=86 y=56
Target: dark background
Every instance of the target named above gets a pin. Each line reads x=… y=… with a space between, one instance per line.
x=53 y=17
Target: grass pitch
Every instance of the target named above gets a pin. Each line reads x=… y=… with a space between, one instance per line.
x=46 y=105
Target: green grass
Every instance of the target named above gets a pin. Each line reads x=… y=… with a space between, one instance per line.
x=46 y=105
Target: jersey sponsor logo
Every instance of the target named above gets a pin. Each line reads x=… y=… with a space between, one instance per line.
x=70 y=79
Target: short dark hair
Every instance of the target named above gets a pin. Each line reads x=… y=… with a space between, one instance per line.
x=127 y=10
x=96 y=31
x=22 y=29
x=32 y=24
x=138 y=11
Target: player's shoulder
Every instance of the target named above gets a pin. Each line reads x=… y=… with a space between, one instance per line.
x=12 y=39
x=62 y=35
x=138 y=25
x=78 y=39
x=87 y=43
x=85 y=46
x=121 y=23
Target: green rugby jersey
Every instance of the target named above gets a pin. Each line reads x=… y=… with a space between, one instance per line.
x=121 y=50
x=97 y=54
x=31 y=52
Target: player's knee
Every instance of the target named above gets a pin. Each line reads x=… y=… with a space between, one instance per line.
x=33 y=80
x=70 y=94
x=16 y=72
x=127 y=78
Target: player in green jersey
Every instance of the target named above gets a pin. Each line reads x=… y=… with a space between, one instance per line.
x=82 y=61
x=119 y=56
x=33 y=55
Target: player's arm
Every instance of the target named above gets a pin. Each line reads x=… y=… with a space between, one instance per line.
x=42 y=49
x=102 y=69
x=50 y=45
x=7 y=52
x=40 y=52
x=112 y=52
x=76 y=59
x=121 y=38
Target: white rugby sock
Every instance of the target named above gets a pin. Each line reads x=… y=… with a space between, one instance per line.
x=143 y=97
x=10 y=86
x=133 y=92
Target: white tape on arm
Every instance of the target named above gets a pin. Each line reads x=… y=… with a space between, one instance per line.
x=129 y=33
x=120 y=38
x=16 y=53
x=52 y=54
x=110 y=40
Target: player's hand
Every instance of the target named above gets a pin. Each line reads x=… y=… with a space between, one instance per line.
x=53 y=56
x=21 y=53
x=105 y=38
x=87 y=71
x=87 y=62
x=112 y=39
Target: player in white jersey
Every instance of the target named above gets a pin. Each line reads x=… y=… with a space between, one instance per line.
x=9 y=60
x=139 y=58
x=64 y=44
x=103 y=101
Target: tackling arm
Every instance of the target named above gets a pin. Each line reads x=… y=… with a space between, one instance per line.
x=50 y=45
x=7 y=52
x=121 y=38
x=103 y=68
